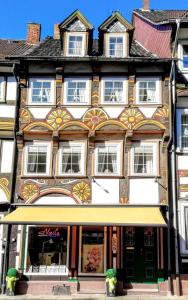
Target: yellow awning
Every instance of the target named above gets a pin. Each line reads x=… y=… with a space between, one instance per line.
x=86 y=215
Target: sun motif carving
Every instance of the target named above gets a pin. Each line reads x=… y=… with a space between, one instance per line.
x=4 y=183
x=57 y=117
x=93 y=117
x=82 y=191
x=130 y=117
x=162 y=112
x=25 y=116
x=29 y=190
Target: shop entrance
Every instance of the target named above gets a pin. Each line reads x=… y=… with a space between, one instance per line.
x=140 y=254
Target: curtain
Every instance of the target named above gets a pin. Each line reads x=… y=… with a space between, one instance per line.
x=114 y=162
x=32 y=159
x=119 y=49
x=66 y=160
x=151 y=95
x=102 y=158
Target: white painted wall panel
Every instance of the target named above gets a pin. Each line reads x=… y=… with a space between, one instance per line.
x=7 y=156
x=39 y=112
x=77 y=112
x=143 y=191
x=11 y=88
x=148 y=111
x=3 y=197
x=105 y=191
x=7 y=111
x=113 y=112
x=1 y=248
x=183 y=180
x=183 y=194
x=47 y=200
x=183 y=162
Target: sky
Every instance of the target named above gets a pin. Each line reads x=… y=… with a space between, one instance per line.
x=15 y=14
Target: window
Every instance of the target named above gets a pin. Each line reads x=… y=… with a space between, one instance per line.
x=185 y=56
x=114 y=90
x=77 y=91
x=144 y=159
x=41 y=91
x=37 y=160
x=184 y=131
x=183 y=226
x=2 y=89
x=107 y=159
x=72 y=158
x=46 y=250
x=75 y=44
x=116 y=47
x=92 y=250
x=148 y=91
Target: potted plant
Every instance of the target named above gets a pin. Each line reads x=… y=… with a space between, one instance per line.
x=111 y=282
x=11 y=278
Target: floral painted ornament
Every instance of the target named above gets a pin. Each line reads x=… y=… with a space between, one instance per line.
x=29 y=190
x=57 y=117
x=130 y=117
x=82 y=191
x=93 y=117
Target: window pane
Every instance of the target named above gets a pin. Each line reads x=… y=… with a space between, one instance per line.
x=107 y=160
x=71 y=159
x=75 y=45
x=147 y=91
x=2 y=96
x=40 y=91
x=113 y=91
x=76 y=92
x=143 y=159
x=36 y=159
x=116 y=46
x=184 y=130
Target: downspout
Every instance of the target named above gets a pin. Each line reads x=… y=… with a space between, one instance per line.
x=13 y=182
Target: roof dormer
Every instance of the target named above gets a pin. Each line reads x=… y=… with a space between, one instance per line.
x=114 y=36
x=76 y=35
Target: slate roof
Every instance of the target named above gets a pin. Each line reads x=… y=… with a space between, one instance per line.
x=13 y=47
x=161 y=16
x=52 y=48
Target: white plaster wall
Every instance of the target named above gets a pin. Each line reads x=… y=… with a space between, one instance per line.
x=143 y=191
x=183 y=162
x=11 y=88
x=47 y=200
x=105 y=191
x=183 y=180
x=77 y=112
x=7 y=111
x=113 y=112
x=6 y=156
x=183 y=194
x=3 y=197
x=39 y=112
x=148 y=111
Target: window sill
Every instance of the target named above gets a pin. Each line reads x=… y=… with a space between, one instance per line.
x=135 y=176
x=115 y=104
x=40 y=104
x=108 y=176
x=60 y=176
x=36 y=176
x=159 y=104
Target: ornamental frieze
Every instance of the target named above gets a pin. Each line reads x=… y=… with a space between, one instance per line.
x=4 y=185
x=57 y=117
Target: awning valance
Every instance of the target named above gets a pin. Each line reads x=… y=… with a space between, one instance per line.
x=86 y=215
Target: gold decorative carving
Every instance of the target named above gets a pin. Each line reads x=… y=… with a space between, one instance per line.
x=162 y=112
x=58 y=117
x=130 y=117
x=25 y=116
x=82 y=191
x=4 y=183
x=29 y=190
x=93 y=117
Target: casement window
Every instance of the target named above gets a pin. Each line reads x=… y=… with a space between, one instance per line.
x=185 y=56
x=148 y=90
x=184 y=131
x=77 y=91
x=37 y=158
x=144 y=160
x=72 y=158
x=75 y=44
x=183 y=226
x=116 y=46
x=2 y=89
x=41 y=91
x=107 y=159
x=114 y=90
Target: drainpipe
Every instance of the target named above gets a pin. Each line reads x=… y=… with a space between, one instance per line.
x=13 y=183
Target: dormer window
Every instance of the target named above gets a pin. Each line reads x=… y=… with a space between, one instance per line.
x=116 y=46
x=185 y=56
x=75 y=44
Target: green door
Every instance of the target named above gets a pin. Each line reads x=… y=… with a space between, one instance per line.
x=140 y=254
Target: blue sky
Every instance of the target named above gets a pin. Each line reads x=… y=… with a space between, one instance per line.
x=15 y=14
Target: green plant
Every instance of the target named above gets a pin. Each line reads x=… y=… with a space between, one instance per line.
x=111 y=281
x=11 y=278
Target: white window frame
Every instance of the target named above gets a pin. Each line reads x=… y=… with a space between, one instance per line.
x=155 y=158
x=125 y=90
x=158 y=90
x=80 y=253
x=41 y=273
x=3 y=87
x=180 y=55
x=87 y=80
x=179 y=113
x=83 y=158
x=118 y=144
x=52 y=93
x=115 y=35
x=83 y=35
x=48 y=158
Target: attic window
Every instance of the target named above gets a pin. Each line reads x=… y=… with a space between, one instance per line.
x=75 y=45
x=116 y=45
x=185 y=56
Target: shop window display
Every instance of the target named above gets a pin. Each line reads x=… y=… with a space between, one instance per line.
x=47 y=250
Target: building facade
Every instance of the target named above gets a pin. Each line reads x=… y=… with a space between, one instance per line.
x=92 y=171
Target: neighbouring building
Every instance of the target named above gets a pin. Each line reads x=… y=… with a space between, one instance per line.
x=92 y=170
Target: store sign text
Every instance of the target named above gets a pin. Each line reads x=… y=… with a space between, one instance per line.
x=49 y=232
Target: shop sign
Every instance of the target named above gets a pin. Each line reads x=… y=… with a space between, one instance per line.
x=49 y=232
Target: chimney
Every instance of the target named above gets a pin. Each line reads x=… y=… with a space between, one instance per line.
x=56 y=32
x=33 y=33
x=146 y=5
